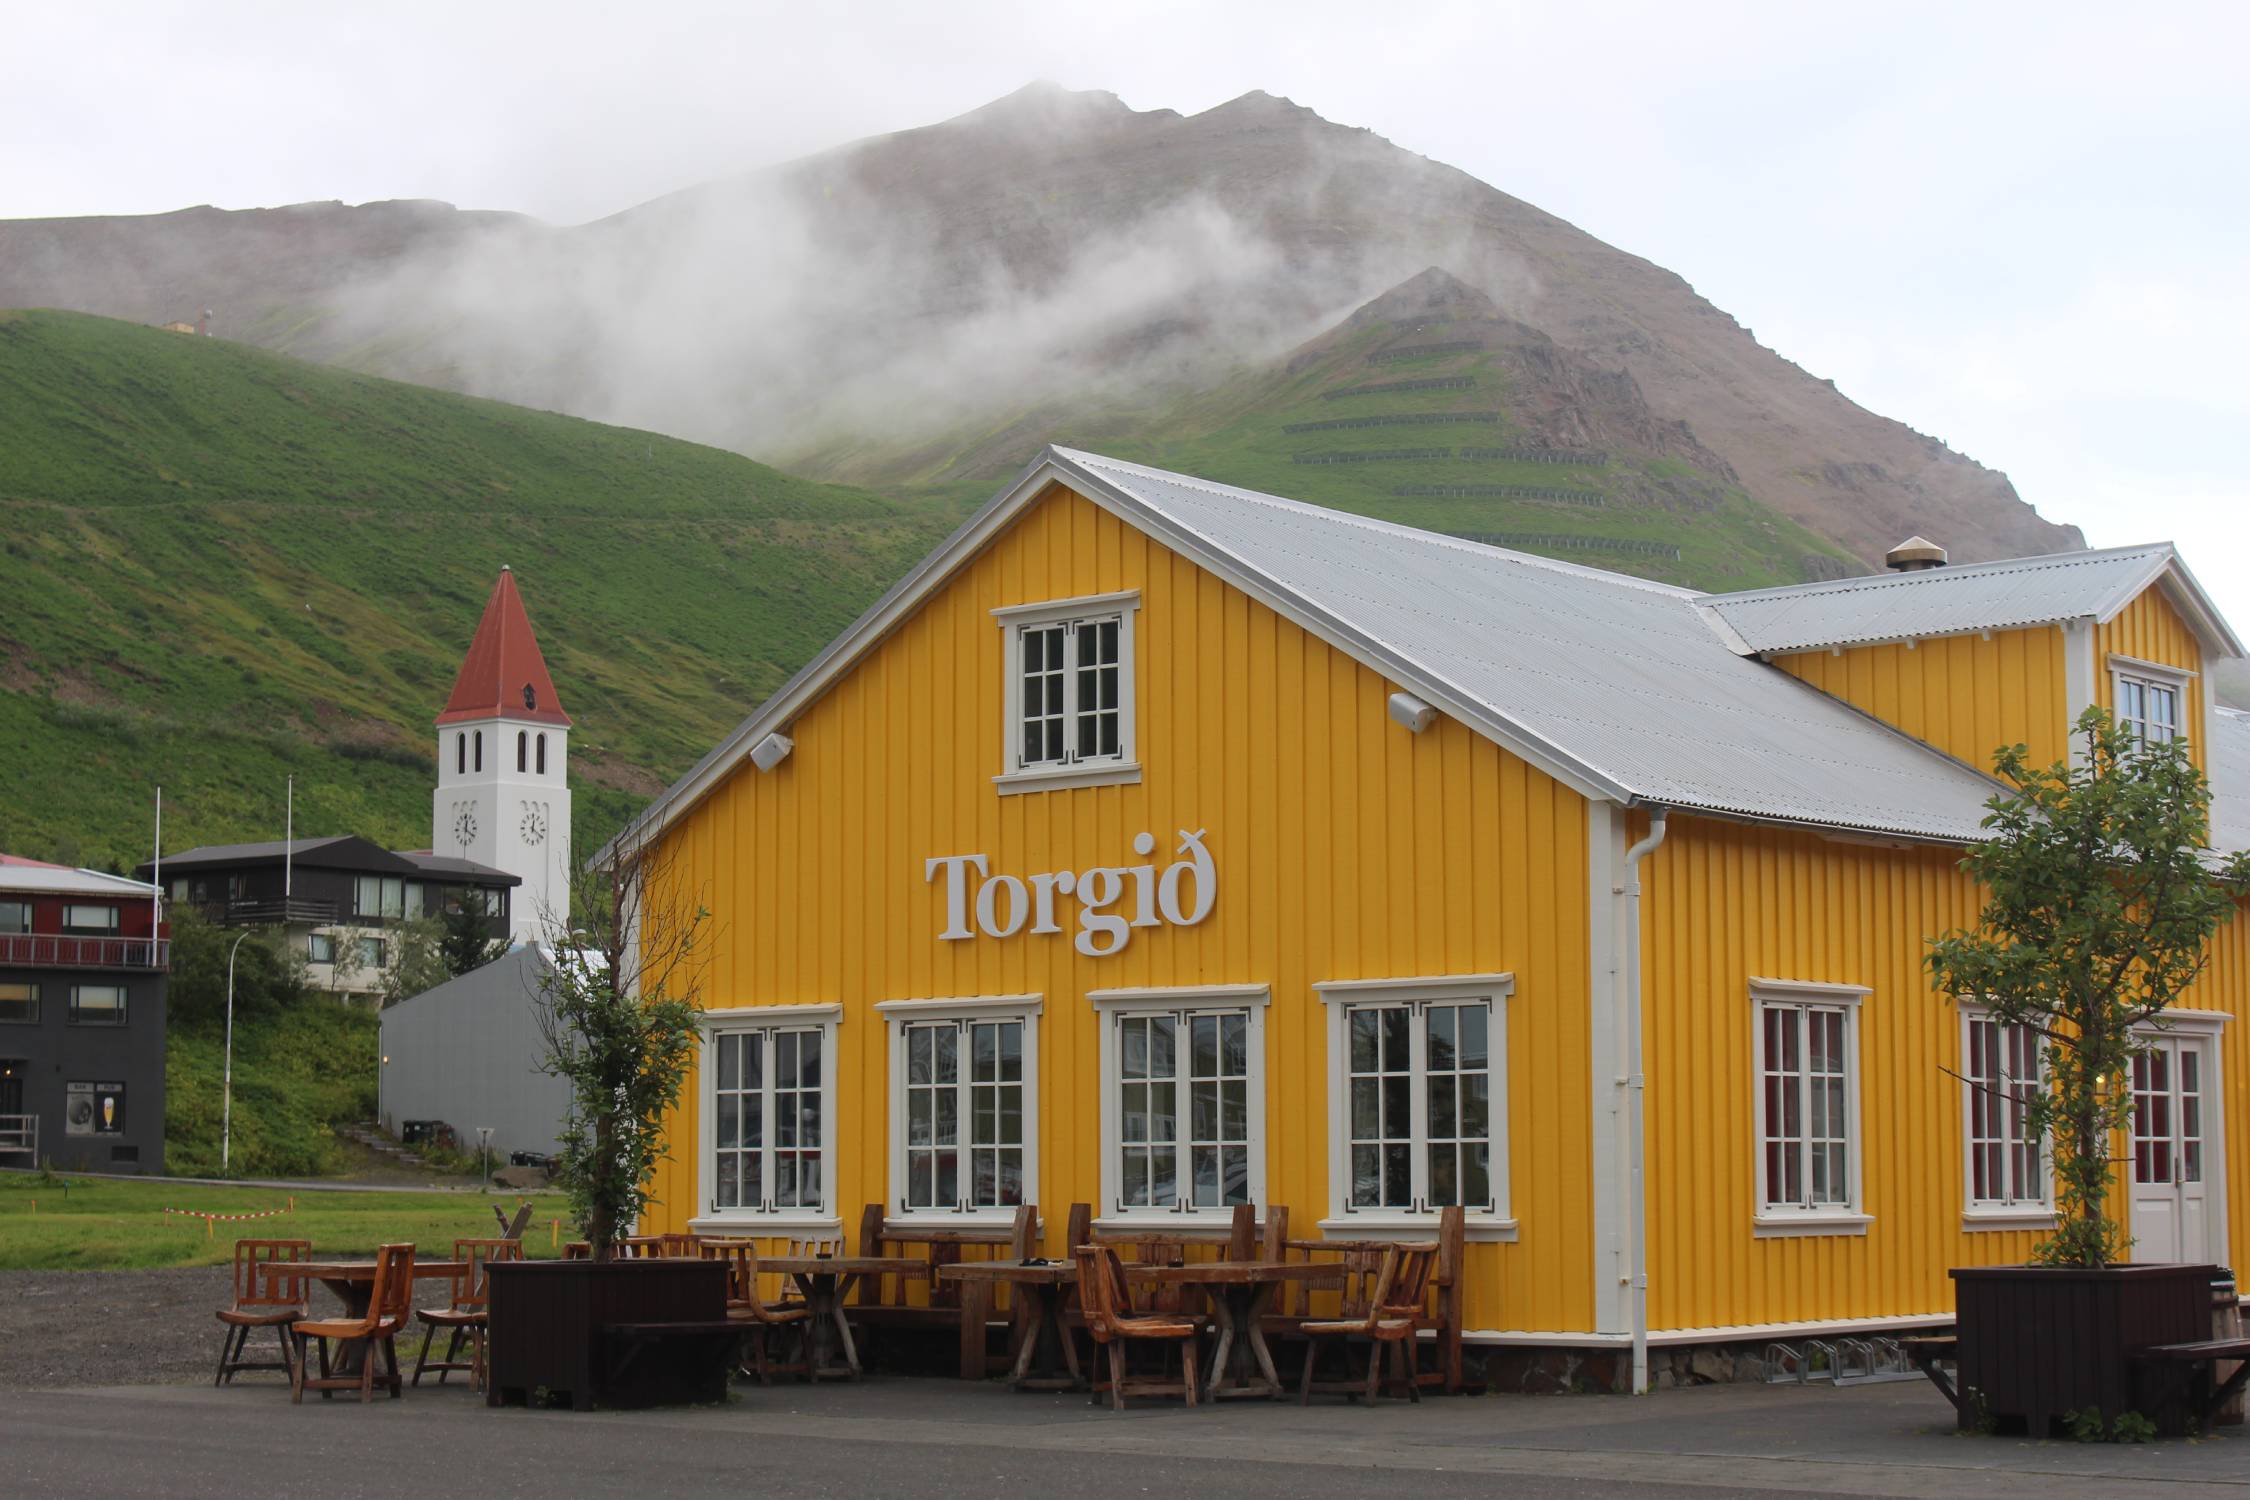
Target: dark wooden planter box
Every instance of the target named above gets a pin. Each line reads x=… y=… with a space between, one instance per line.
x=546 y=1318
x=2037 y=1342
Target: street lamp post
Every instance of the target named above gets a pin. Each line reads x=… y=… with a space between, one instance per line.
x=226 y=1118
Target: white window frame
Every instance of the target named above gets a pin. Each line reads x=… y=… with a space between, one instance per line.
x=1995 y=1213
x=2147 y=674
x=897 y=1016
x=1777 y=1219
x=1341 y=997
x=727 y=1021
x=1114 y=770
x=1113 y=1006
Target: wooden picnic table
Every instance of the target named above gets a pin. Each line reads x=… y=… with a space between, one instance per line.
x=1043 y=1359
x=825 y=1280
x=353 y=1282
x=1241 y=1293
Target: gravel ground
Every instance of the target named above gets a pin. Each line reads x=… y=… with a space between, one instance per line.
x=65 y=1329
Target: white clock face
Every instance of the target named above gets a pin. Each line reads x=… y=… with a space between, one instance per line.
x=465 y=827
x=534 y=824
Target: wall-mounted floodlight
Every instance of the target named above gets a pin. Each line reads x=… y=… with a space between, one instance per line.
x=1412 y=712
x=772 y=751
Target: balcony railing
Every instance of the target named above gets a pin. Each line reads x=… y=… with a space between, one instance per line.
x=19 y=1136
x=45 y=950
x=266 y=911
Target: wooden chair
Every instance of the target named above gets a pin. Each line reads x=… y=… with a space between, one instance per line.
x=637 y=1247
x=826 y=1244
x=389 y=1304
x=464 y=1314
x=1394 y=1313
x=1114 y=1324
x=681 y=1246
x=578 y=1250
x=261 y=1300
x=758 y=1317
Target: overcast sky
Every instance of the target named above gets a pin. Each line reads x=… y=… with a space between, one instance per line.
x=2019 y=228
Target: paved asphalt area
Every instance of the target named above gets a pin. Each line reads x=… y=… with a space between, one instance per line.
x=895 y=1436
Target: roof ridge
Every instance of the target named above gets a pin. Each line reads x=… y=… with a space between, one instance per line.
x=1861 y=582
x=1416 y=534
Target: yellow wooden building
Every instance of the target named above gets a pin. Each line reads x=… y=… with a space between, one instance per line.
x=1159 y=846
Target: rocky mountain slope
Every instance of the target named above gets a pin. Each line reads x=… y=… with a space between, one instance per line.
x=870 y=308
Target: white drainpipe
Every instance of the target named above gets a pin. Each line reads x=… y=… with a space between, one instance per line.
x=1636 y=1201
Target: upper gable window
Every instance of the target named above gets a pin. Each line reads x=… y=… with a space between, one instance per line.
x=1069 y=693
x=2151 y=700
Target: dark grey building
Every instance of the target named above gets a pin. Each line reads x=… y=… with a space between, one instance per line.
x=83 y=959
x=338 y=898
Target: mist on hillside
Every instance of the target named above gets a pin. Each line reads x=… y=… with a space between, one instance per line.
x=789 y=310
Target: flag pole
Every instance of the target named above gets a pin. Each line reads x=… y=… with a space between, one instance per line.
x=288 y=845
x=156 y=896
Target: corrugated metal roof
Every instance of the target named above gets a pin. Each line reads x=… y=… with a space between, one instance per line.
x=1619 y=677
x=1941 y=601
x=38 y=877
x=2230 y=779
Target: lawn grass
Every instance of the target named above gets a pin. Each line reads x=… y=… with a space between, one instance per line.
x=55 y=1221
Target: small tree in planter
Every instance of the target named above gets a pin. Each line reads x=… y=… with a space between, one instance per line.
x=617 y=1011
x=618 y=1004
x=2102 y=897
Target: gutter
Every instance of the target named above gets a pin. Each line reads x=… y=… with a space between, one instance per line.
x=1634 y=1082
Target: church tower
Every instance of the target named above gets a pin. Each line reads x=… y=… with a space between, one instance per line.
x=503 y=792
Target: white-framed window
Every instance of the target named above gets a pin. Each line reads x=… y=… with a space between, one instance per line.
x=1417 y=1099
x=320 y=947
x=1806 y=1041
x=2151 y=699
x=2007 y=1180
x=964 y=1107
x=1183 y=1106
x=1069 y=693
x=767 y=1133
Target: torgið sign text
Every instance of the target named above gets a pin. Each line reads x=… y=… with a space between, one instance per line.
x=1180 y=894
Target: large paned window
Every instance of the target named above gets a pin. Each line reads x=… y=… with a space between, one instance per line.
x=379 y=896
x=1808 y=1107
x=1183 y=1102
x=2150 y=699
x=769 y=1081
x=97 y=1005
x=91 y=921
x=1417 y=1099
x=2006 y=1175
x=19 y=1002
x=15 y=916
x=964 y=1106
x=1069 y=692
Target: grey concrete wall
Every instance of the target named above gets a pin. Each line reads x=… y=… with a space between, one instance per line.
x=468 y=1053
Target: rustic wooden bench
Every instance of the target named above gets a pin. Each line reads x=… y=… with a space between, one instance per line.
x=1925 y=1352
x=967 y=1307
x=692 y=1365
x=2200 y=1357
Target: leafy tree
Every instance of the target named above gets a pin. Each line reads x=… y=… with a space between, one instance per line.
x=417 y=959
x=269 y=971
x=2102 y=896
x=617 y=1011
x=467 y=942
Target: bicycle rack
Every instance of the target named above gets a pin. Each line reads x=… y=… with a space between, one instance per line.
x=1784 y=1365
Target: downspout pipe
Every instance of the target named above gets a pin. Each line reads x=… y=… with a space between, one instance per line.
x=1636 y=1189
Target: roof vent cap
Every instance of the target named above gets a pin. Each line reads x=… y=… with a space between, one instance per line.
x=1913 y=555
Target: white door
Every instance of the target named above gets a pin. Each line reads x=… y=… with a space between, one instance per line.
x=2173 y=1156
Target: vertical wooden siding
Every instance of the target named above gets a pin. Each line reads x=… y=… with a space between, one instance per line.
x=2149 y=629
x=1966 y=694
x=1727 y=903
x=1346 y=848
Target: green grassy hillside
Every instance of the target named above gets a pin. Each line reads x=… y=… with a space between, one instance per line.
x=219 y=566
x=1375 y=403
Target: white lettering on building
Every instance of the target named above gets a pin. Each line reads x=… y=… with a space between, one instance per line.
x=1004 y=905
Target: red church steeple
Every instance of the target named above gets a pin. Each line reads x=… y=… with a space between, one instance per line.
x=504 y=675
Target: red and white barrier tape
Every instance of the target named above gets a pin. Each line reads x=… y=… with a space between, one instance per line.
x=196 y=1213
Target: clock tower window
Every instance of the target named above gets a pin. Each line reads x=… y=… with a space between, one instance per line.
x=542 y=755
x=523 y=746
x=480 y=749
x=460 y=755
